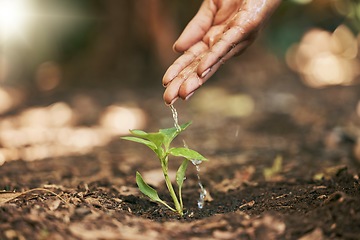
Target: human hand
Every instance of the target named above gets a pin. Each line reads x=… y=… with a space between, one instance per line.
x=220 y=30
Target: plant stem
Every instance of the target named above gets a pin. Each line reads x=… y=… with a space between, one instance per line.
x=166 y=205
x=164 y=166
x=180 y=197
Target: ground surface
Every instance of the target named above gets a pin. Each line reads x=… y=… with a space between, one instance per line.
x=313 y=193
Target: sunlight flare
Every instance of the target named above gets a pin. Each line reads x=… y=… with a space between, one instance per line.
x=13 y=17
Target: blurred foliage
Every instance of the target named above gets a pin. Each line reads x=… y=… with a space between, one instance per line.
x=98 y=42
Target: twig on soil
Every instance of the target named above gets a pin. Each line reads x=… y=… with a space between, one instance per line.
x=14 y=195
x=248 y=204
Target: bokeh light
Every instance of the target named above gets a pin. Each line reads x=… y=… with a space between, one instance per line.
x=10 y=98
x=48 y=76
x=226 y=104
x=119 y=119
x=5 y=101
x=323 y=58
x=53 y=131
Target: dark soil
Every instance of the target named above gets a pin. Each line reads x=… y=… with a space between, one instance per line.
x=315 y=194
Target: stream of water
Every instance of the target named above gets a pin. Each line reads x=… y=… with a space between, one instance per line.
x=175 y=117
x=195 y=162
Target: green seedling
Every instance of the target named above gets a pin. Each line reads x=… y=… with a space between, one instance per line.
x=160 y=142
x=275 y=169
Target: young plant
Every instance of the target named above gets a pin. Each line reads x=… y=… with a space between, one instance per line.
x=160 y=142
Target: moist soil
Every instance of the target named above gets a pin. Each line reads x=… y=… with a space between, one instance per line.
x=288 y=170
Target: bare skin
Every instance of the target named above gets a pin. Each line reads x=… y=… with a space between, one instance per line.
x=220 y=30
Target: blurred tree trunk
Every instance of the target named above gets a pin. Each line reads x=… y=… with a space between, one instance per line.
x=133 y=40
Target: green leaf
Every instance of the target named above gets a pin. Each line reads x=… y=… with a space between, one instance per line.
x=156 y=138
x=143 y=141
x=185 y=125
x=187 y=153
x=171 y=133
x=149 y=191
x=139 y=133
x=146 y=189
x=275 y=169
x=180 y=174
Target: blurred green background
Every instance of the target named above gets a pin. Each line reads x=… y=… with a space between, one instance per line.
x=92 y=43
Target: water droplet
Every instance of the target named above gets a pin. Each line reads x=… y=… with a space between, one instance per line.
x=196 y=162
x=202 y=196
x=203 y=192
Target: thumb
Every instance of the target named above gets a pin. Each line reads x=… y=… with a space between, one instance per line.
x=197 y=27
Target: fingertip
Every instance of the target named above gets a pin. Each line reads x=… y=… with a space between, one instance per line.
x=166 y=98
x=169 y=101
x=180 y=48
x=171 y=93
x=169 y=75
x=206 y=64
x=174 y=47
x=189 y=96
x=205 y=73
x=165 y=82
x=189 y=86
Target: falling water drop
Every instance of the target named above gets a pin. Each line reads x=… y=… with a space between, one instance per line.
x=196 y=162
x=203 y=192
